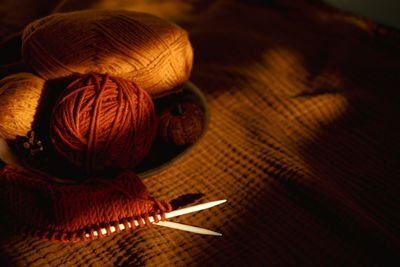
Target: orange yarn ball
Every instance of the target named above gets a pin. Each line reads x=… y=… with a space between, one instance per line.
x=20 y=96
x=139 y=47
x=100 y=121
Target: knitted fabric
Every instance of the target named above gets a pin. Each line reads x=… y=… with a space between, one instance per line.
x=73 y=212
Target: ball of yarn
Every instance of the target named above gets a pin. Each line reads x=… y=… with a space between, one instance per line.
x=100 y=121
x=19 y=99
x=140 y=47
x=181 y=124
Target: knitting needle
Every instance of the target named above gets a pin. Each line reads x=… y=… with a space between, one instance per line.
x=168 y=215
x=194 y=208
x=188 y=228
x=174 y=225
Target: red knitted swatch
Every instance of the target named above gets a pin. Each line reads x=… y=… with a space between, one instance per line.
x=73 y=212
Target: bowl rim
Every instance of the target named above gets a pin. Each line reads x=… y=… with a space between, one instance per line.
x=204 y=105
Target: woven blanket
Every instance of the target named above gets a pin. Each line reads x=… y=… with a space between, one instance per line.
x=303 y=141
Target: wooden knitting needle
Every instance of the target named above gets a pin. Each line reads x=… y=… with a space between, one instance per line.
x=171 y=214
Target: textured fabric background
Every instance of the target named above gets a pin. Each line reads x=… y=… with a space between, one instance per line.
x=303 y=141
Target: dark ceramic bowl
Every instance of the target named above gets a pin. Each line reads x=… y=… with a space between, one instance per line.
x=162 y=155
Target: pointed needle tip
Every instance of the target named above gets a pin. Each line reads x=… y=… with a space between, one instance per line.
x=217 y=202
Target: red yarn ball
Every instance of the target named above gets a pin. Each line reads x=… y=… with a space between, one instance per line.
x=100 y=121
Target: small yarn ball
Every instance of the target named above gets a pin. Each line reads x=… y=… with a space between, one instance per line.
x=154 y=53
x=20 y=95
x=100 y=122
x=181 y=124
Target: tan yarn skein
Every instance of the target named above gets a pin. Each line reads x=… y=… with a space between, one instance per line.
x=154 y=53
x=19 y=98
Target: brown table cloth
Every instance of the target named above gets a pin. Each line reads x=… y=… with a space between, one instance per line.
x=303 y=141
